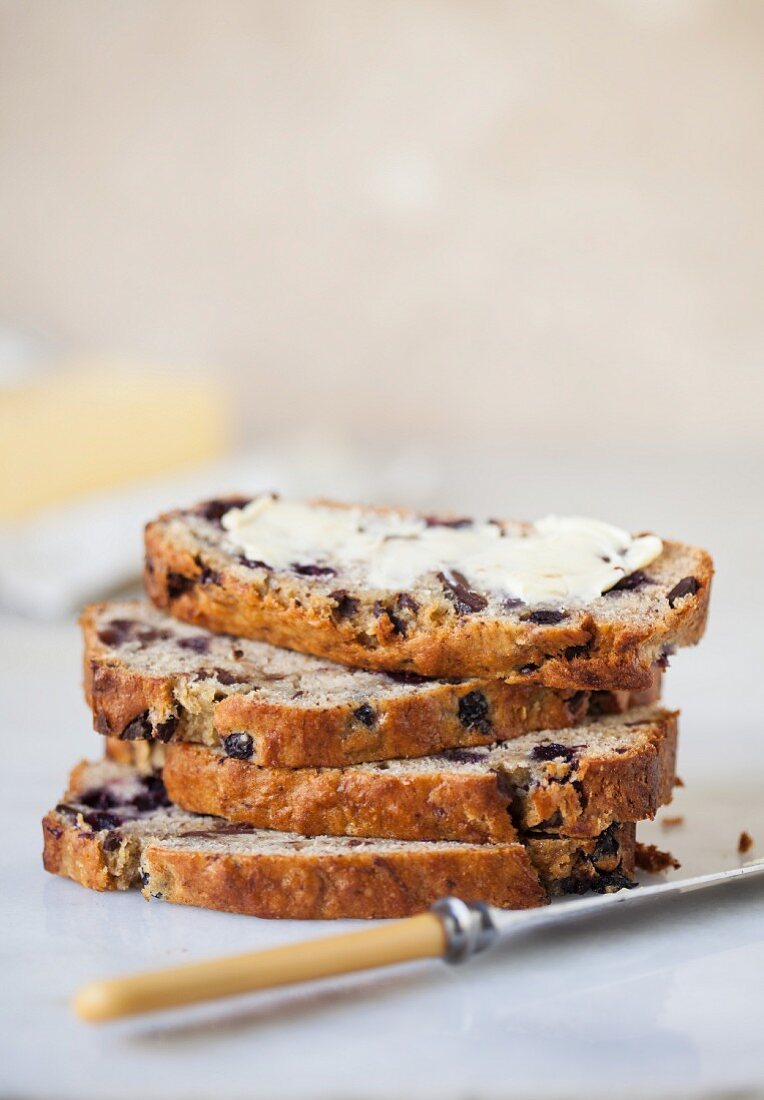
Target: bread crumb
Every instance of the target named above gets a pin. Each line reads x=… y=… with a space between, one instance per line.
x=650 y=858
x=671 y=822
x=745 y=843
x=678 y=781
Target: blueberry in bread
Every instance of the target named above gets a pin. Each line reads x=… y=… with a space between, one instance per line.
x=567 y=603
x=151 y=677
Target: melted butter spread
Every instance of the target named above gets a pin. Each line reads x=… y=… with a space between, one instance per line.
x=557 y=558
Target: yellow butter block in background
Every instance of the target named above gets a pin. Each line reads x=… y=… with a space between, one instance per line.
x=82 y=428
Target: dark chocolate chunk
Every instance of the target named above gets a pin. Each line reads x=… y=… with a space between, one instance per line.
x=111 y=842
x=177 y=584
x=474 y=712
x=575 y=884
x=443 y=521
x=607 y=882
x=253 y=563
x=574 y=652
x=509 y=603
x=462 y=756
x=66 y=808
x=552 y=750
x=688 y=586
x=345 y=606
x=117 y=632
x=226 y=677
x=139 y=729
x=366 y=715
x=196 y=645
x=239 y=745
x=603 y=882
x=403 y=677
x=100 y=798
x=631 y=583
x=406 y=601
x=150 y=634
x=544 y=617
x=165 y=730
x=607 y=845
x=102 y=819
x=403 y=601
x=226 y=828
x=223 y=675
x=399 y=626
x=152 y=796
x=214 y=510
x=465 y=599
x=313 y=570
x=120 y=631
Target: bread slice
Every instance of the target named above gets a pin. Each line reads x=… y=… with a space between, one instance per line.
x=148 y=676
x=573 y=782
x=115 y=830
x=439 y=626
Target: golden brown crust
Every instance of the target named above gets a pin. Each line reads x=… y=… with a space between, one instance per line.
x=75 y=853
x=284 y=735
x=358 y=886
x=580 y=654
x=115 y=693
x=449 y=804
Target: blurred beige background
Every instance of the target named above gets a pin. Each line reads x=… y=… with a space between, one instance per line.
x=400 y=221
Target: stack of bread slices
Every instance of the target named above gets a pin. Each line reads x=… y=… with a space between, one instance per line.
x=332 y=711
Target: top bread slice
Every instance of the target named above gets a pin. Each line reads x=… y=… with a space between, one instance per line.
x=440 y=627
x=149 y=677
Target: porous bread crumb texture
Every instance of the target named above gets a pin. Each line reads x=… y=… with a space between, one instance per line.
x=571 y=783
x=195 y=860
x=148 y=676
x=194 y=571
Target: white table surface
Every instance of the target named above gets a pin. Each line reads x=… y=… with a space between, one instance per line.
x=663 y=1003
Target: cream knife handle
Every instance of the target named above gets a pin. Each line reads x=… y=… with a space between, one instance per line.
x=428 y=935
